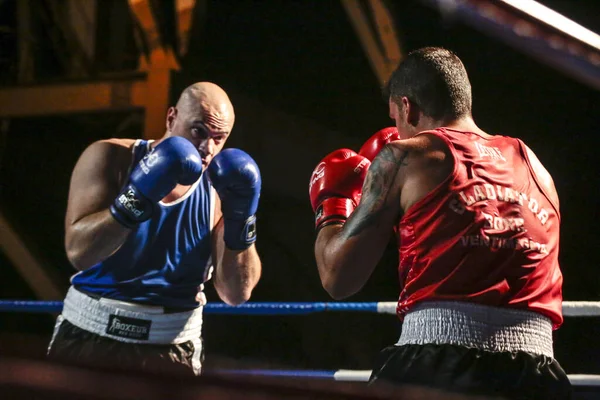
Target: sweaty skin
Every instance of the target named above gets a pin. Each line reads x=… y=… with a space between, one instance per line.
x=204 y=115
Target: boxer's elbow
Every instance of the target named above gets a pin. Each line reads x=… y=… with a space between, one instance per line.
x=339 y=272
x=234 y=297
x=235 y=278
x=235 y=290
x=75 y=252
x=239 y=299
x=334 y=290
x=337 y=289
x=333 y=273
x=77 y=258
x=337 y=281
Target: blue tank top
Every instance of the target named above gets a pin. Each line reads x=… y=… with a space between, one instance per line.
x=164 y=260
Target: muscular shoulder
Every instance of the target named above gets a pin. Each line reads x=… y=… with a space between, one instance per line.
x=424 y=149
x=107 y=159
x=427 y=162
x=110 y=147
x=109 y=151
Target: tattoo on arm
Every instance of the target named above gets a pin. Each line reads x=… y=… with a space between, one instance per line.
x=380 y=178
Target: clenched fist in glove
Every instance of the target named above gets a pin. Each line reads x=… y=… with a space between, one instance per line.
x=236 y=178
x=373 y=146
x=173 y=161
x=336 y=185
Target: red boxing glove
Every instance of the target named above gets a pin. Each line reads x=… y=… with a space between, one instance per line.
x=336 y=186
x=373 y=146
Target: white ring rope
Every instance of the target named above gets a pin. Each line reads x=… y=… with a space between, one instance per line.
x=349 y=375
x=570 y=308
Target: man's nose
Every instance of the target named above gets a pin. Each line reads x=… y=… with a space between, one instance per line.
x=207 y=147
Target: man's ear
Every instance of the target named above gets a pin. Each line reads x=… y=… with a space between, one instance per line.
x=412 y=111
x=171 y=115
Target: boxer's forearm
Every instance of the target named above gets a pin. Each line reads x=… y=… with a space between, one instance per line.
x=328 y=263
x=93 y=238
x=237 y=274
x=347 y=254
x=344 y=265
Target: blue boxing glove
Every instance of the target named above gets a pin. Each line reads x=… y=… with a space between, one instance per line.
x=236 y=178
x=173 y=161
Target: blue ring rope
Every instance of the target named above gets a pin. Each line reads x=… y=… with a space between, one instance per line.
x=364 y=375
x=570 y=308
x=30 y=306
x=321 y=374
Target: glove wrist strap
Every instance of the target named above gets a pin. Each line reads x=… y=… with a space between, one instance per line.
x=239 y=234
x=131 y=207
x=121 y=218
x=334 y=210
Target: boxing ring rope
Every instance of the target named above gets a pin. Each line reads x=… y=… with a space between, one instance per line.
x=570 y=309
x=347 y=375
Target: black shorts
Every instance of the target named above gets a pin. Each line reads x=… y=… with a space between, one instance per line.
x=512 y=375
x=75 y=346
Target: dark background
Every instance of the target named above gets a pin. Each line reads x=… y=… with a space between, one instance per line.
x=303 y=59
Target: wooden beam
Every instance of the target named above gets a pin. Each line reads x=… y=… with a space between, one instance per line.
x=159 y=85
x=381 y=46
x=142 y=12
x=25 y=37
x=82 y=17
x=66 y=41
x=158 y=67
x=367 y=38
x=28 y=266
x=150 y=94
x=72 y=98
x=384 y=23
x=185 y=12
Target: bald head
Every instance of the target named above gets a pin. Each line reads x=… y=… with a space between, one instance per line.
x=203 y=115
x=209 y=102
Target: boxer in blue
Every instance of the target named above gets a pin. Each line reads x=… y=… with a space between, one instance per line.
x=147 y=224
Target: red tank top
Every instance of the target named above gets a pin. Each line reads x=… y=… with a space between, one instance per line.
x=489 y=234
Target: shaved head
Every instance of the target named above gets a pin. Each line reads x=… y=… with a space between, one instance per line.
x=209 y=101
x=203 y=115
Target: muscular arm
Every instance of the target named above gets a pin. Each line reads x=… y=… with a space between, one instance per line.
x=91 y=233
x=236 y=272
x=347 y=255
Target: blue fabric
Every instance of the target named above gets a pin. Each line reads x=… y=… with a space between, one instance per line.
x=164 y=260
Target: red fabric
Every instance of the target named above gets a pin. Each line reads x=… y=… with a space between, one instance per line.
x=489 y=234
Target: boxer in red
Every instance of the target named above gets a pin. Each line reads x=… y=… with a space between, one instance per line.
x=477 y=221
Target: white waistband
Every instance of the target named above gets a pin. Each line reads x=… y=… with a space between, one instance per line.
x=477 y=326
x=128 y=322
